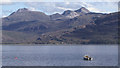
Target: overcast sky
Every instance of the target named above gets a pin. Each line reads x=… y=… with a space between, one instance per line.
x=58 y=7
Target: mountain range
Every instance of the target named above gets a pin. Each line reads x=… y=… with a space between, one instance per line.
x=71 y=27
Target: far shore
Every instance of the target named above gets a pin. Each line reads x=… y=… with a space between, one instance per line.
x=32 y=44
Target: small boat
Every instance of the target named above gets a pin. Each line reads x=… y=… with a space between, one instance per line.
x=86 y=57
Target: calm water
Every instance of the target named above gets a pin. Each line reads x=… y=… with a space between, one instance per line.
x=18 y=55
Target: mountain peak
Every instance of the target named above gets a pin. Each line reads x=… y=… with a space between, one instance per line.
x=70 y=14
x=67 y=12
x=22 y=9
x=83 y=10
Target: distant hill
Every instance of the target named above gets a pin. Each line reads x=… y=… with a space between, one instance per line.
x=71 y=27
x=12 y=37
x=24 y=15
x=24 y=20
x=104 y=30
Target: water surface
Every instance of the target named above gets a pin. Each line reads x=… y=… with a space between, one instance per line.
x=20 y=55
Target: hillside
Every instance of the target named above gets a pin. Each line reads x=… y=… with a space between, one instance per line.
x=103 y=31
x=12 y=37
x=71 y=27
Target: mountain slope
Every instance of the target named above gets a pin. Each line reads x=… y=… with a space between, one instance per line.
x=79 y=26
x=12 y=37
x=82 y=10
x=70 y=14
x=103 y=31
x=24 y=15
x=24 y=20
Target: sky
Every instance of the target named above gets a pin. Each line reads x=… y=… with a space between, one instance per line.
x=58 y=7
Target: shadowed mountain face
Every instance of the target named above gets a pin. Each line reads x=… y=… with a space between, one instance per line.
x=82 y=10
x=104 y=30
x=25 y=15
x=79 y=26
x=24 y=20
x=70 y=14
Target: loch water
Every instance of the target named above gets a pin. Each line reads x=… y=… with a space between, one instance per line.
x=59 y=55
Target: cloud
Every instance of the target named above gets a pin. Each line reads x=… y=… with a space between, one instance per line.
x=47 y=7
x=90 y=7
x=106 y=7
x=92 y=0
x=65 y=0
x=64 y=8
x=59 y=7
x=3 y=2
x=33 y=9
x=4 y=16
x=93 y=9
x=52 y=7
x=67 y=3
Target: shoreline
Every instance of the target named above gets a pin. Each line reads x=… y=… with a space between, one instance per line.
x=62 y=44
